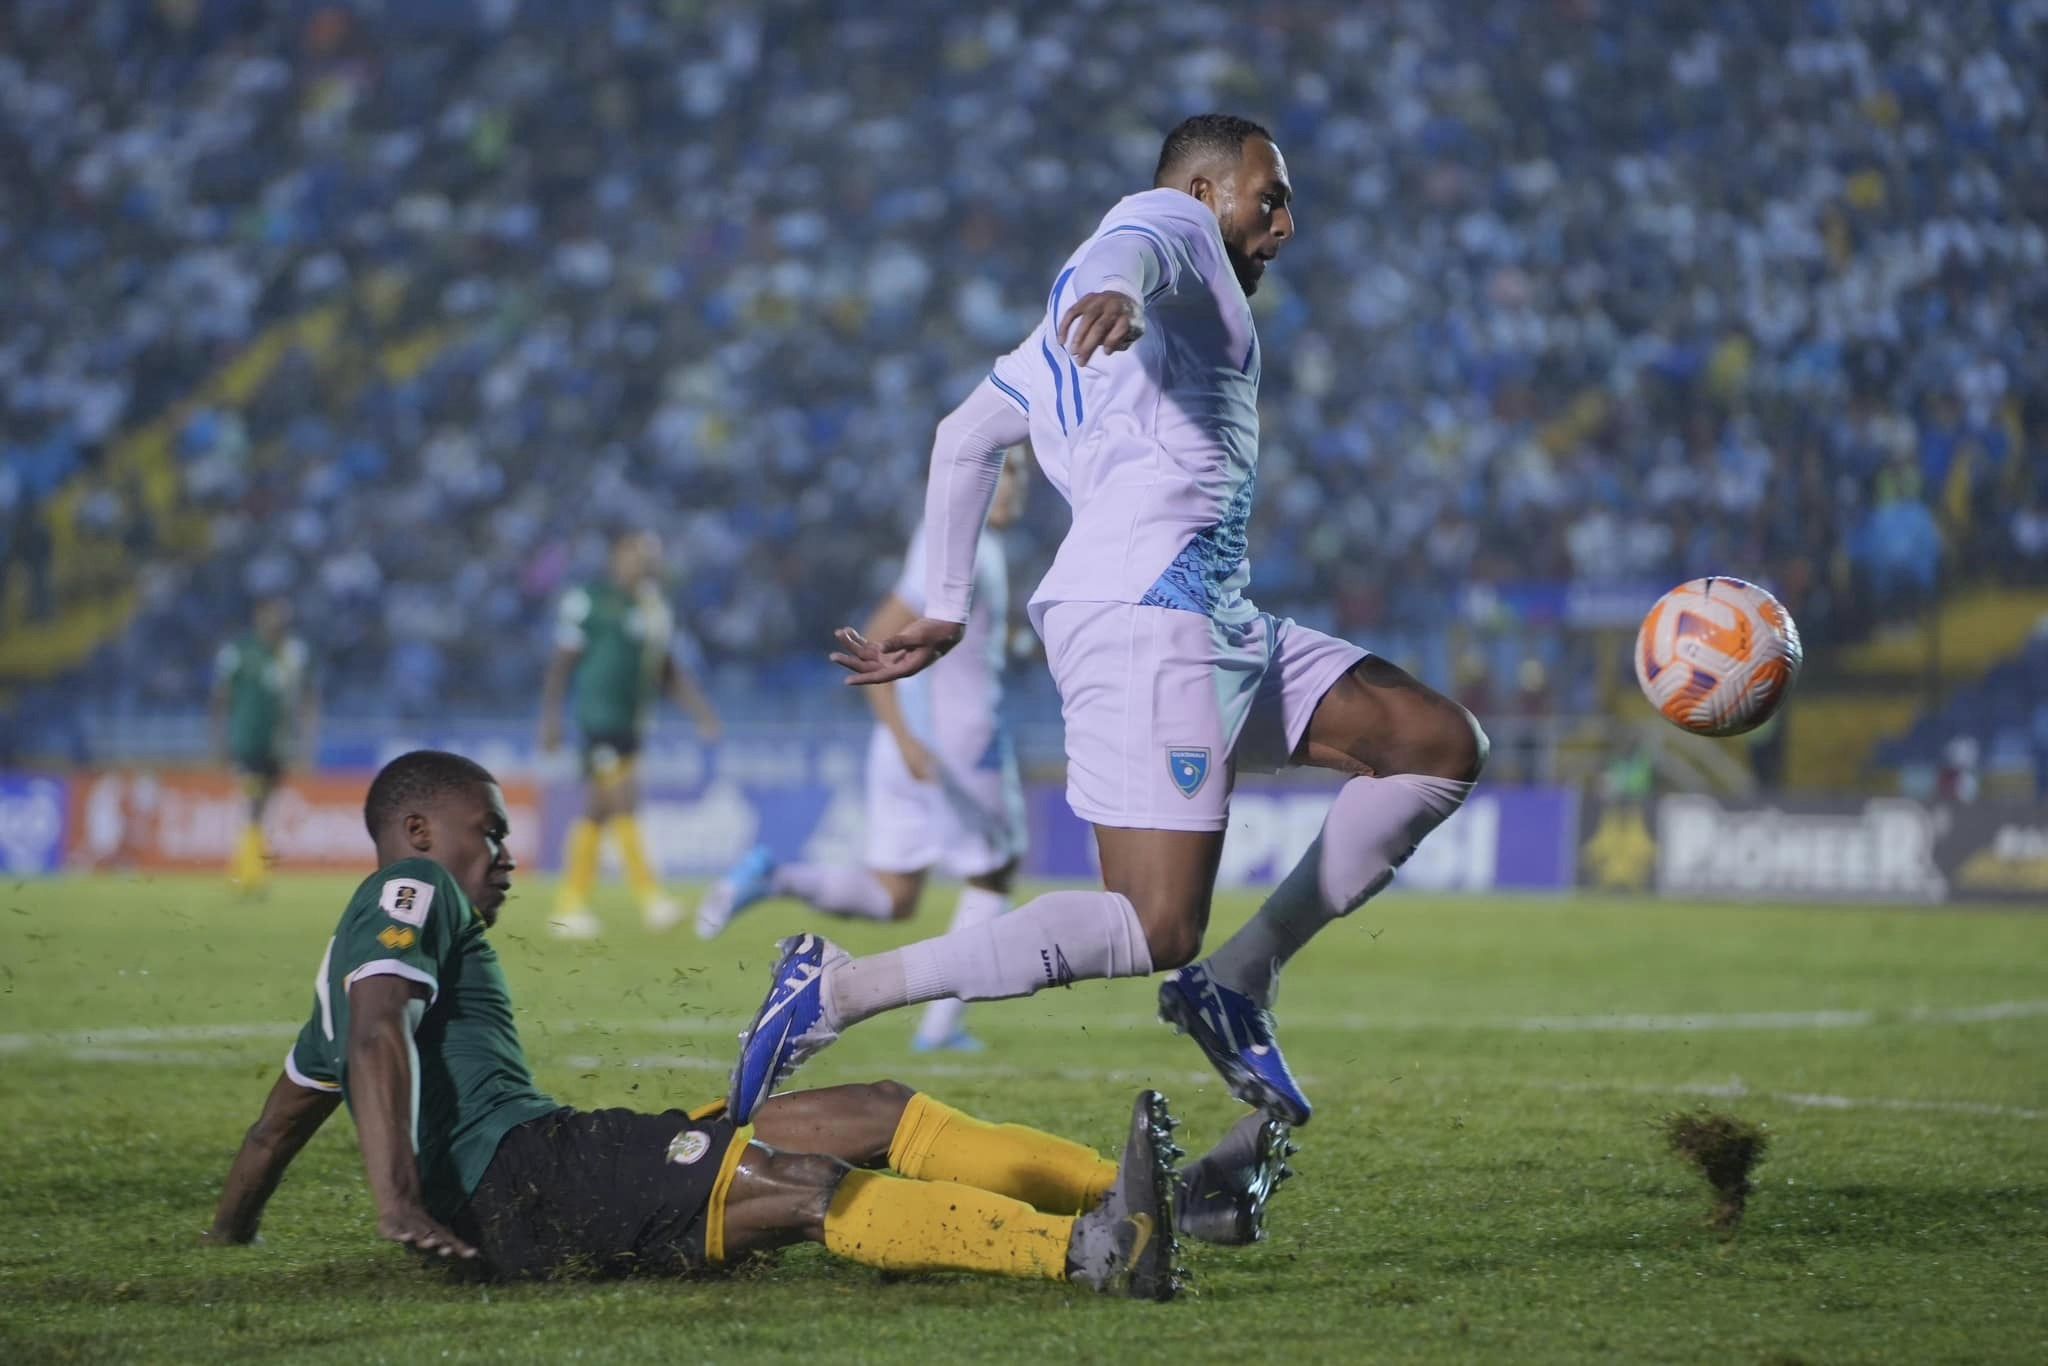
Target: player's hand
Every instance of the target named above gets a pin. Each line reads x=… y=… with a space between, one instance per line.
x=917 y=758
x=1105 y=320
x=418 y=1230
x=911 y=650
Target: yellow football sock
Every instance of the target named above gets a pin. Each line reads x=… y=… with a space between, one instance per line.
x=251 y=865
x=633 y=853
x=579 y=864
x=897 y=1225
x=935 y=1142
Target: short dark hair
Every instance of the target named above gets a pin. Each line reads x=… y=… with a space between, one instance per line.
x=1205 y=135
x=415 y=779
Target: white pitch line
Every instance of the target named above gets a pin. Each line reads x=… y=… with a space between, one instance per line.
x=918 y=1067
x=144 y=1034
x=1732 y=1089
x=707 y=1027
x=1736 y=1089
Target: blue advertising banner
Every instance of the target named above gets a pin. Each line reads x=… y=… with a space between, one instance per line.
x=33 y=814
x=1503 y=838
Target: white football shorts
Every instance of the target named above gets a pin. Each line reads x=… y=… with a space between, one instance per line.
x=967 y=823
x=1164 y=707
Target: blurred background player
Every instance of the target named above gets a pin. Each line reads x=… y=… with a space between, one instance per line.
x=264 y=710
x=617 y=644
x=942 y=783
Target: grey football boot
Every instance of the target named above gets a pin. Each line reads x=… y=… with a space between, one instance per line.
x=1127 y=1242
x=1222 y=1195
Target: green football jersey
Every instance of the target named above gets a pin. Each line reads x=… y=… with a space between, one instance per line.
x=411 y=920
x=623 y=641
x=263 y=686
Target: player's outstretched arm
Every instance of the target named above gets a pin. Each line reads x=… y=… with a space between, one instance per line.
x=1108 y=321
x=689 y=696
x=306 y=737
x=911 y=650
x=890 y=616
x=1119 y=271
x=292 y=1114
x=382 y=1060
x=554 y=689
x=967 y=461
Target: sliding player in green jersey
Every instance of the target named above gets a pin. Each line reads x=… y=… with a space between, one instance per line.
x=413 y=1027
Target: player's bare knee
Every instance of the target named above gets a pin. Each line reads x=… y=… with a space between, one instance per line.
x=1461 y=745
x=1172 y=943
x=797 y=1187
x=882 y=1106
x=999 y=882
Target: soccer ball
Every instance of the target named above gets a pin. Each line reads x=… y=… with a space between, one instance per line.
x=1717 y=656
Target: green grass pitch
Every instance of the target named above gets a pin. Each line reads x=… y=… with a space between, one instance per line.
x=1485 y=1179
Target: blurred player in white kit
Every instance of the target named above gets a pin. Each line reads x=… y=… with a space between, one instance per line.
x=942 y=784
x=1139 y=392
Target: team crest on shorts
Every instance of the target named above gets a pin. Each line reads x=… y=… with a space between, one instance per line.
x=1190 y=769
x=687 y=1146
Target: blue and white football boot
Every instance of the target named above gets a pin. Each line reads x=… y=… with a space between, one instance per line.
x=790 y=1026
x=1236 y=1034
x=747 y=883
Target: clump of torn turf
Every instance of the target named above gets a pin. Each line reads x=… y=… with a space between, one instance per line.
x=1726 y=1150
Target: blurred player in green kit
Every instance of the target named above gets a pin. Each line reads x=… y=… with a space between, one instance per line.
x=263 y=714
x=617 y=650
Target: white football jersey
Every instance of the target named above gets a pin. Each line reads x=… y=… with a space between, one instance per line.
x=1156 y=447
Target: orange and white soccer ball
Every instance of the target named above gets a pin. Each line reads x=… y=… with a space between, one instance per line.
x=1717 y=656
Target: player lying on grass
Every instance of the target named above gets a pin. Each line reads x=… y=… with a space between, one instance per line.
x=412 y=1026
x=942 y=783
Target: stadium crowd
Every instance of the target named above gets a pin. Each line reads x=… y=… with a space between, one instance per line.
x=1584 y=291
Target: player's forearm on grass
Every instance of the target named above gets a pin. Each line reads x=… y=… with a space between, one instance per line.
x=291 y=1116
x=967 y=460
x=382 y=1065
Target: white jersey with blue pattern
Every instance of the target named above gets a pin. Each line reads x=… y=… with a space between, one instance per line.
x=1154 y=448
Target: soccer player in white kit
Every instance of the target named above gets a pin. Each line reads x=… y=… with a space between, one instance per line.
x=1139 y=392
x=942 y=784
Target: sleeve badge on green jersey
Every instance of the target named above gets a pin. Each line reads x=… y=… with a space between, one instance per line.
x=397 y=938
x=407 y=900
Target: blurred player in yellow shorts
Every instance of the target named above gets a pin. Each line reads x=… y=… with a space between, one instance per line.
x=617 y=646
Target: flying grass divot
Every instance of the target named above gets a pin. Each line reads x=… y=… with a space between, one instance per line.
x=1726 y=1150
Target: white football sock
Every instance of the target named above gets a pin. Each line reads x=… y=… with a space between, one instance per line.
x=834 y=889
x=1372 y=828
x=942 y=1018
x=1061 y=937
